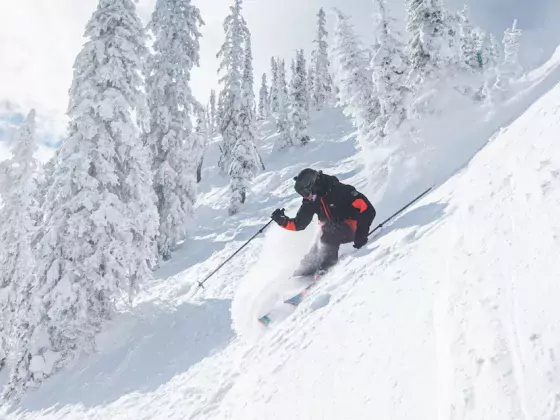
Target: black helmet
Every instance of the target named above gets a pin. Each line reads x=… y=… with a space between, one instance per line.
x=305 y=181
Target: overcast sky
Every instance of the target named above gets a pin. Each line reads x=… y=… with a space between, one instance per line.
x=39 y=39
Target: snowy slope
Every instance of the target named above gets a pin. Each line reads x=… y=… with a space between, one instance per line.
x=451 y=313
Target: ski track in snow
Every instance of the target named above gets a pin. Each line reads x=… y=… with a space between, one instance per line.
x=451 y=313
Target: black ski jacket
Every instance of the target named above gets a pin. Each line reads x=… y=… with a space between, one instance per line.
x=335 y=202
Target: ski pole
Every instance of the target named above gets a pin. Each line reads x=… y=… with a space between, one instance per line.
x=201 y=283
x=400 y=211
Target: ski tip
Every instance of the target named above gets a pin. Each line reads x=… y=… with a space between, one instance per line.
x=264 y=320
x=294 y=301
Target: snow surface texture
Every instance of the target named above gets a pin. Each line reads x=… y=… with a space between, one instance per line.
x=451 y=313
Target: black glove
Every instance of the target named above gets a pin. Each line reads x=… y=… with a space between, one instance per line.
x=360 y=242
x=278 y=216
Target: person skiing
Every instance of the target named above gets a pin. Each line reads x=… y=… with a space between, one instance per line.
x=345 y=216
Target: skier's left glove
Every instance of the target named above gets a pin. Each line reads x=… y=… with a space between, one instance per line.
x=278 y=216
x=360 y=242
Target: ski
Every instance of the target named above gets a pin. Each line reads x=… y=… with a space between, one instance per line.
x=294 y=301
x=265 y=320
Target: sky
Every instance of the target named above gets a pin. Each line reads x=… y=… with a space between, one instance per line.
x=39 y=39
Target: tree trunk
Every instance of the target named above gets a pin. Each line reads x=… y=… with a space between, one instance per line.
x=199 y=170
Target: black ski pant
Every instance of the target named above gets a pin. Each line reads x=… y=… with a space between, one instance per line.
x=324 y=253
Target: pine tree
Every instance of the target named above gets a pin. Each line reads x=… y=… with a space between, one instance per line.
x=100 y=213
x=491 y=50
x=44 y=180
x=245 y=159
x=239 y=157
x=212 y=117
x=389 y=74
x=208 y=118
x=470 y=40
x=176 y=50
x=465 y=64
x=273 y=101
x=322 y=81
x=231 y=66
x=311 y=84
x=18 y=227
x=429 y=44
x=490 y=54
x=264 y=107
x=466 y=37
x=299 y=100
x=220 y=112
x=248 y=79
x=202 y=134
x=353 y=77
x=282 y=113
x=509 y=69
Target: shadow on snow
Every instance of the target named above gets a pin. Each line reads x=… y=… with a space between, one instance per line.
x=163 y=343
x=420 y=216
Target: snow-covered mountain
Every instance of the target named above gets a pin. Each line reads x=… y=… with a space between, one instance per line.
x=450 y=312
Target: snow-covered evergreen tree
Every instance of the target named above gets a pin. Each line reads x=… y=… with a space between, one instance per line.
x=239 y=157
x=273 y=101
x=491 y=52
x=208 y=118
x=283 y=108
x=353 y=77
x=202 y=133
x=212 y=117
x=299 y=100
x=470 y=39
x=465 y=64
x=311 y=83
x=510 y=68
x=44 y=180
x=220 y=112
x=101 y=219
x=390 y=67
x=231 y=67
x=322 y=82
x=245 y=159
x=439 y=74
x=18 y=220
x=264 y=107
x=176 y=50
x=491 y=56
x=428 y=48
x=248 y=78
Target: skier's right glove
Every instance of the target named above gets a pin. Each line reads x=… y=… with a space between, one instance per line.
x=278 y=216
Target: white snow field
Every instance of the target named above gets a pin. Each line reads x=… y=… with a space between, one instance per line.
x=450 y=313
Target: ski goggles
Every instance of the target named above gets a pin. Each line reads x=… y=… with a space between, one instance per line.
x=305 y=187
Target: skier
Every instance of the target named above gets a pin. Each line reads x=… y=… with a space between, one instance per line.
x=345 y=215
